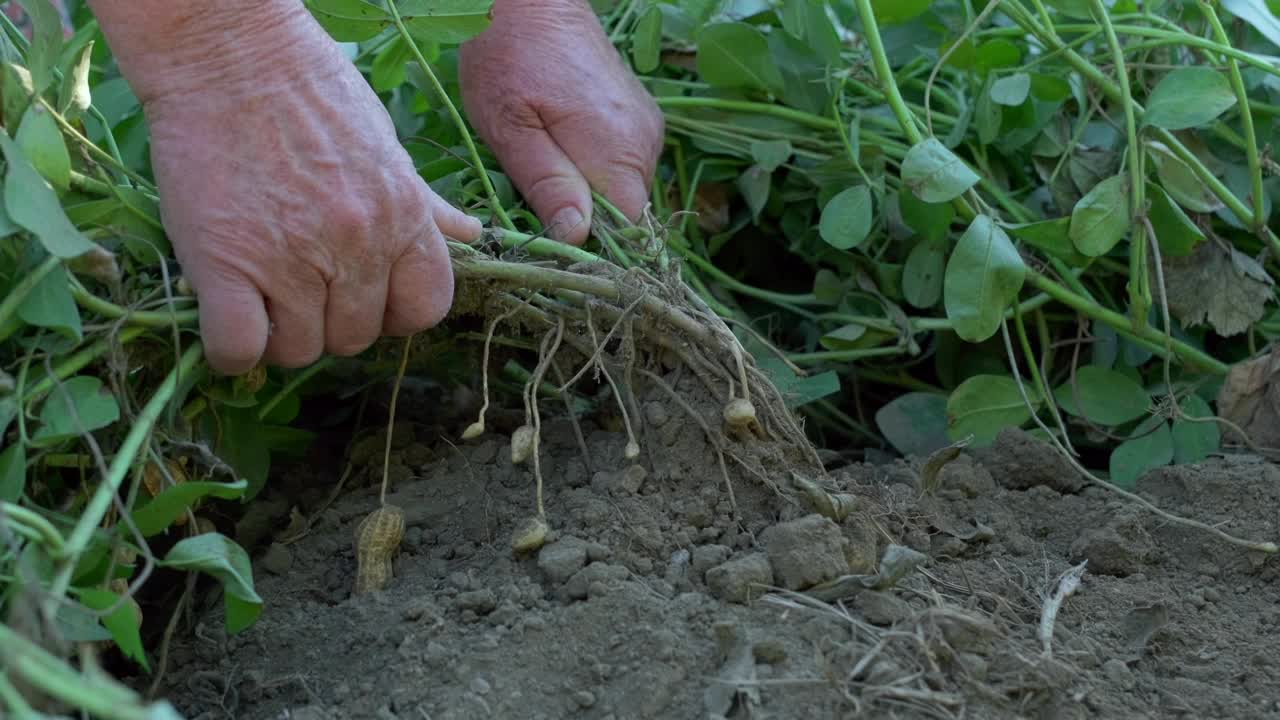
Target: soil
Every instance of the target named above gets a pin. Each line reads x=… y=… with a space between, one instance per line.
x=653 y=600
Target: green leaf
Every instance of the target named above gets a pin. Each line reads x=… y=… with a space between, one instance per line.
x=930 y=220
x=844 y=338
x=74 y=98
x=1101 y=218
x=448 y=22
x=1150 y=447
x=41 y=141
x=915 y=423
x=94 y=406
x=1188 y=97
x=893 y=12
x=796 y=390
x=349 y=20
x=122 y=622
x=736 y=55
x=1106 y=397
x=163 y=509
x=770 y=154
x=754 y=186
x=997 y=54
x=46 y=41
x=13 y=471
x=50 y=305
x=984 y=405
x=1053 y=237
x=1012 y=89
x=216 y=555
x=922 y=275
x=1194 y=441
x=1181 y=181
x=983 y=276
x=846 y=218
x=33 y=205
x=646 y=40
x=935 y=174
x=389 y=69
x=1259 y=15
x=1177 y=235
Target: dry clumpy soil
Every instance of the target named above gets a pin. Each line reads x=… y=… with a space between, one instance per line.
x=654 y=601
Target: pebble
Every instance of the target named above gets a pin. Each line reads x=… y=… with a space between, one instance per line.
x=593 y=579
x=277 y=559
x=1119 y=673
x=485 y=452
x=562 y=558
x=656 y=414
x=882 y=608
x=806 y=551
x=584 y=698
x=480 y=686
x=705 y=557
x=481 y=602
x=740 y=580
x=597 y=552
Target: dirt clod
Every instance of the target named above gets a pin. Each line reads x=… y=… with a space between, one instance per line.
x=562 y=558
x=806 y=551
x=1019 y=461
x=741 y=579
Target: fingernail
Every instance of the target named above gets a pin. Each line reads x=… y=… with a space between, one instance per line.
x=564 y=222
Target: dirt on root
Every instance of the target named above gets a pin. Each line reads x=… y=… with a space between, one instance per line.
x=654 y=601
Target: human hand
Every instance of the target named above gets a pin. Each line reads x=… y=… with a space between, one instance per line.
x=548 y=93
x=297 y=216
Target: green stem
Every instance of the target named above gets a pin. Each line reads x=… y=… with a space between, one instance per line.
x=98 y=153
x=845 y=355
x=455 y=116
x=1246 y=118
x=1121 y=324
x=142 y=318
x=75 y=363
x=871 y=33
x=96 y=509
x=46 y=532
x=732 y=283
x=544 y=247
x=1139 y=293
x=292 y=386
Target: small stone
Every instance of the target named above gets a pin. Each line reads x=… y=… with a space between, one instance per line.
x=460 y=580
x=597 y=552
x=484 y=453
x=632 y=479
x=1120 y=548
x=584 y=698
x=705 y=557
x=882 y=608
x=1119 y=673
x=437 y=654
x=806 y=552
x=655 y=414
x=277 y=559
x=562 y=558
x=594 y=579
x=741 y=579
x=480 y=686
x=1212 y=595
x=481 y=602
x=770 y=652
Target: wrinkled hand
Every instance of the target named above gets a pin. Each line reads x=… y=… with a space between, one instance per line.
x=549 y=94
x=298 y=218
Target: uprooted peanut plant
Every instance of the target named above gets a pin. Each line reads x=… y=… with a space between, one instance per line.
x=893 y=225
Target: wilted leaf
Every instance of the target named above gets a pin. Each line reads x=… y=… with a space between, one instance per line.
x=984 y=405
x=846 y=219
x=122 y=622
x=1188 y=97
x=983 y=276
x=74 y=98
x=935 y=174
x=1101 y=218
x=1219 y=286
x=1250 y=399
x=163 y=509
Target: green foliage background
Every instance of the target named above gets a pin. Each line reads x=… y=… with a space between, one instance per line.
x=910 y=199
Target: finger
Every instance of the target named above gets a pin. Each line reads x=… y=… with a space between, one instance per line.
x=420 y=290
x=297 y=313
x=549 y=180
x=455 y=224
x=626 y=188
x=353 y=313
x=233 y=321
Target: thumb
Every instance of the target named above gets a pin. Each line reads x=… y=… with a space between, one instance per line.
x=549 y=180
x=233 y=320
